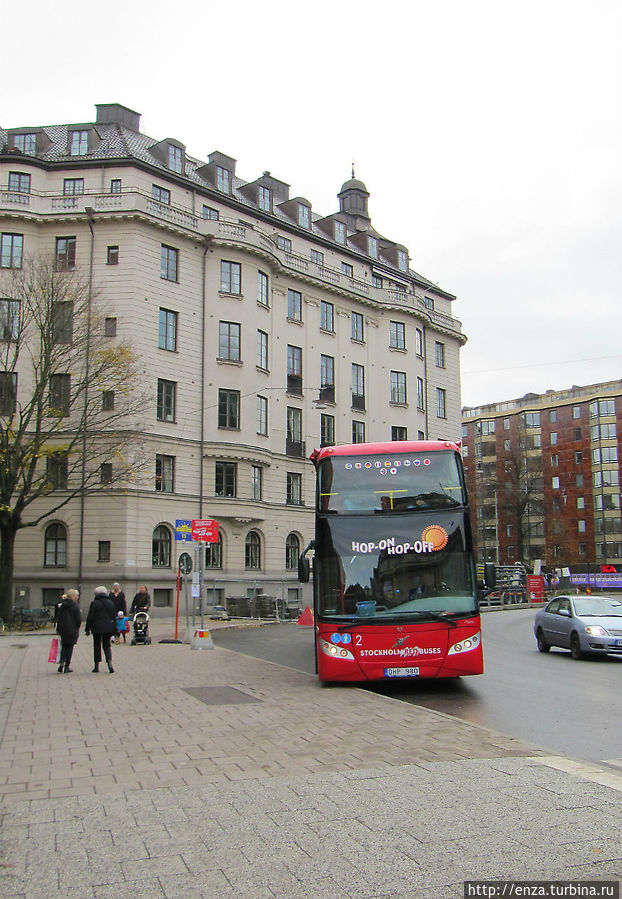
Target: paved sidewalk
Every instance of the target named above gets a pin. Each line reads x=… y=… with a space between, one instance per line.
x=213 y=774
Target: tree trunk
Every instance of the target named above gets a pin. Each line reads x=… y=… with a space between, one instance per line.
x=7 y=546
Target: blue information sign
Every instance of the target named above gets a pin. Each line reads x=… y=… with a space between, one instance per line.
x=183 y=529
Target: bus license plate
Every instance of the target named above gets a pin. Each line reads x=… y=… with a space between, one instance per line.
x=401 y=672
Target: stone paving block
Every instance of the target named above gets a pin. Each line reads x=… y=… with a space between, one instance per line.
x=149 y=888
x=209 y=885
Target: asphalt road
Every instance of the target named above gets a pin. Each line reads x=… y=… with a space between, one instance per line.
x=568 y=707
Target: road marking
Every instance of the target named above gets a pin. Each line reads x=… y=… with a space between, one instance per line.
x=585 y=770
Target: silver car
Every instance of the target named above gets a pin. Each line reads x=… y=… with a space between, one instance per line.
x=586 y=625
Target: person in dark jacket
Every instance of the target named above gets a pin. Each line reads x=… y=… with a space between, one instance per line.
x=100 y=622
x=68 y=621
x=141 y=602
x=120 y=603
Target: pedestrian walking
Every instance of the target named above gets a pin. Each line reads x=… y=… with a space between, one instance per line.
x=141 y=602
x=120 y=603
x=100 y=622
x=68 y=621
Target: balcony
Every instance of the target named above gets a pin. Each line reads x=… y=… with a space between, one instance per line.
x=294 y=384
x=358 y=402
x=296 y=448
x=327 y=394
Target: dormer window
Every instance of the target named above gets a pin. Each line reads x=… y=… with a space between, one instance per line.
x=402 y=261
x=304 y=216
x=79 y=145
x=223 y=179
x=26 y=143
x=175 y=159
x=265 y=199
x=372 y=247
x=340 y=232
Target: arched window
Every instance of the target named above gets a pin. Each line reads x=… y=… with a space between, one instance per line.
x=55 y=546
x=213 y=553
x=161 y=547
x=253 y=550
x=292 y=551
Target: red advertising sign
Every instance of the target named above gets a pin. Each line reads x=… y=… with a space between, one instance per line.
x=205 y=530
x=535 y=587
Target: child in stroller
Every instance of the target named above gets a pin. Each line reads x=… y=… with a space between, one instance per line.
x=141 y=629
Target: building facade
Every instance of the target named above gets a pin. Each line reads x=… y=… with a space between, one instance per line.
x=543 y=474
x=264 y=329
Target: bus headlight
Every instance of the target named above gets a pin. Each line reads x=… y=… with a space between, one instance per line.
x=336 y=652
x=466 y=645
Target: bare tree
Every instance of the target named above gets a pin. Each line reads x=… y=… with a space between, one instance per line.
x=519 y=491
x=68 y=401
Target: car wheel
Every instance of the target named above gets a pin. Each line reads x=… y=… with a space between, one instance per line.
x=543 y=646
x=575 y=647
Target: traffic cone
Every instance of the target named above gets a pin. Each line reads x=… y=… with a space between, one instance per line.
x=306 y=617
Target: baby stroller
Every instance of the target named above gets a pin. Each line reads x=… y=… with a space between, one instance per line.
x=141 y=629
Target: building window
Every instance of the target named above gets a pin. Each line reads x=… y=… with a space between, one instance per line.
x=358 y=386
x=231 y=277
x=398 y=387
x=327 y=378
x=603 y=431
x=175 y=159
x=292 y=552
x=294 y=445
x=256 y=482
x=372 y=248
x=226 y=478
x=110 y=327
x=262 y=288
x=213 y=553
x=165 y=410
x=581 y=526
x=284 y=243
x=107 y=400
x=420 y=395
x=11 y=250
x=536 y=441
x=55 y=554
x=577 y=433
x=580 y=502
x=507 y=445
x=161 y=194
x=210 y=213
x=397 y=335
x=65 y=254
x=441 y=404
x=294 y=489
x=57 y=470
x=8 y=392
x=578 y=457
x=579 y=480
x=317 y=257
x=223 y=179
x=340 y=232
x=347 y=270
x=357 y=327
x=229 y=409
x=304 y=216
x=419 y=342
x=439 y=353
x=115 y=186
x=112 y=256
x=399 y=433
x=105 y=473
x=26 y=144
x=9 y=319
x=167 y=330
x=294 y=370
x=62 y=323
x=19 y=182
x=553 y=438
x=554 y=460
x=327 y=316
x=165 y=473
x=262 y=350
x=103 y=550
x=358 y=432
x=252 y=551
x=229 y=341
x=262 y=415
x=265 y=199
x=402 y=260
x=576 y=411
x=79 y=145
x=602 y=407
x=552 y=416
x=429 y=303
x=532 y=419
x=555 y=483
x=169 y=259
x=60 y=394
x=161 y=547
x=376 y=281
x=327 y=430
x=294 y=305
x=73 y=186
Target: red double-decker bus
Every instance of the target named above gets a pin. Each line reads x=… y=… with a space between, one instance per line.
x=394 y=583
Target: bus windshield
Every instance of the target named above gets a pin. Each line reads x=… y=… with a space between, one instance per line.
x=390 y=483
x=409 y=568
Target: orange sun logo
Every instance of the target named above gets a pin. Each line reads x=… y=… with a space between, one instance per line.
x=436 y=535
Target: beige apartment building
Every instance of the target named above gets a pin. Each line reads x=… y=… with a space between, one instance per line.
x=264 y=329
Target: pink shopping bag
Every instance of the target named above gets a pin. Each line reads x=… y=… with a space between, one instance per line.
x=54 y=651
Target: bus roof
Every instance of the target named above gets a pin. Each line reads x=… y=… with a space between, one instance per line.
x=390 y=447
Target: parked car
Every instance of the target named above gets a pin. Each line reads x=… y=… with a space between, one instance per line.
x=586 y=625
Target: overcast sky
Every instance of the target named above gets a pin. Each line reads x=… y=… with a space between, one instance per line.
x=488 y=133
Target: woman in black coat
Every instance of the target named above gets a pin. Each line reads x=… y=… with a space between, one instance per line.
x=68 y=621
x=100 y=622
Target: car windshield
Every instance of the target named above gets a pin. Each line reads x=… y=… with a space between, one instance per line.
x=409 y=567
x=598 y=606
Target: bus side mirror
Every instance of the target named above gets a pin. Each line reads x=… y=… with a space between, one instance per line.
x=490 y=575
x=303 y=570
